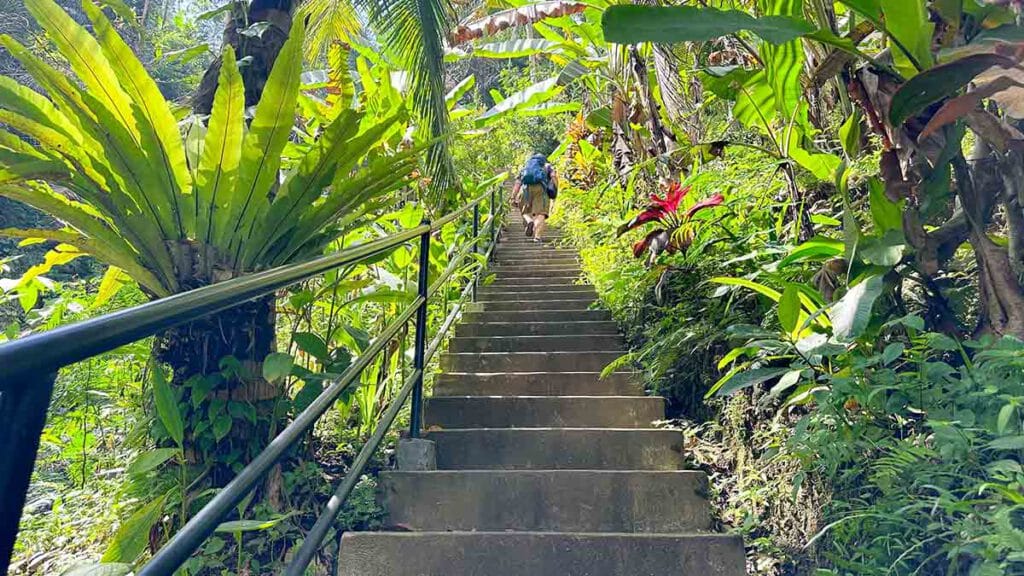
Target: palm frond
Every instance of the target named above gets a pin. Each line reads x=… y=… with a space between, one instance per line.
x=329 y=21
x=415 y=30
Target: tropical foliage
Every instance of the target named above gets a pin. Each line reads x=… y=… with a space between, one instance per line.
x=175 y=211
x=830 y=203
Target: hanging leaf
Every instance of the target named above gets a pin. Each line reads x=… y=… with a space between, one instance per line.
x=887 y=215
x=789 y=309
x=515 y=48
x=452 y=97
x=250 y=525
x=743 y=380
x=852 y=313
x=166 y=404
x=940 y=82
x=908 y=23
x=151 y=460
x=277 y=366
x=849 y=134
x=132 y=536
x=1005 y=414
x=111 y=283
x=311 y=344
x=531 y=96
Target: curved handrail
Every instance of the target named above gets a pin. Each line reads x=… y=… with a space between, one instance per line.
x=28 y=366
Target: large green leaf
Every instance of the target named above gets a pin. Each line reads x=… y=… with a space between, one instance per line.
x=98 y=237
x=160 y=137
x=531 y=96
x=167 y=404
x=789 y=309
x=852 y=313
x=107 y=102
x=261 y=149
x=109 y=171
x=761 y=289
x=629 y=24
x=816 y=248
x=755 y=103
x=736 y=381
x=151 y=460
x=314 y=172
x=336 y=154
x=783 y=64
x=909 y=25
x=455 y=94
x=887 y=215
x=515 y=48
x=36 y=107
x=132 y=536
x=221 y=152
x=940 y=82
x=86 y=59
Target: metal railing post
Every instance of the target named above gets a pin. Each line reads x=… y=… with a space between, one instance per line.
x=22 y=417
x=476 y=241
x=416 y=416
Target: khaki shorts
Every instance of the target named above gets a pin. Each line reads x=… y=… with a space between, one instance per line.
x=536 y=201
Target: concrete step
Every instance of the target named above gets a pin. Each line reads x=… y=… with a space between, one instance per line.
x=542 y=268
x=567 y=343
x=505 y=251
x=539 y=316
x=556 y=295
x=547 y=260
x=511 y=329
x=535 y=281
x=534 y=272
x=519 y=237
x=489 y=362
x=539 y=554
x=499 y=292
x=456 y=412
x=558 y=449
x=537 y=384
x=547 y=500
x=530 y=304
x=539 y=265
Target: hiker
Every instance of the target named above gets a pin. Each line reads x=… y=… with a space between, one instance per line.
x=534 y=202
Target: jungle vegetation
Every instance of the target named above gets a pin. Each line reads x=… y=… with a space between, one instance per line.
x=806 y=215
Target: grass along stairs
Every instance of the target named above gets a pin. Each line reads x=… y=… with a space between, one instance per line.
x=543 y=469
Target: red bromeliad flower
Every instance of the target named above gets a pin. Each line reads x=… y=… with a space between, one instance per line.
x=676 y=234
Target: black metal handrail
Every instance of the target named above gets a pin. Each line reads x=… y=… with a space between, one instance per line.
x=28 y=369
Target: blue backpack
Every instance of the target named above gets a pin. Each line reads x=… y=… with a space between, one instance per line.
x=535 y=172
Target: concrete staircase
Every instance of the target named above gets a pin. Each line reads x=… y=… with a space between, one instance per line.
x=542 y=468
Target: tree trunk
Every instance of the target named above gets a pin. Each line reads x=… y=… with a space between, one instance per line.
x=261 y=48
x=1000 y=294
x=195 y=352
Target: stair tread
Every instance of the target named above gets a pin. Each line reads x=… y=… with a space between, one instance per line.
x=544 y=467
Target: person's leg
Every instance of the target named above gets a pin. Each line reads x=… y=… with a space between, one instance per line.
x=539 y=221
